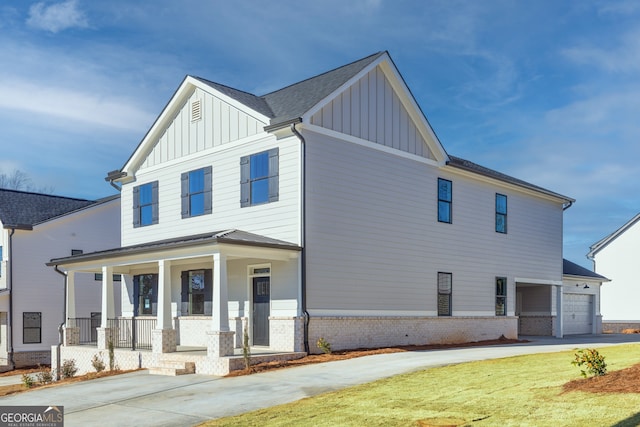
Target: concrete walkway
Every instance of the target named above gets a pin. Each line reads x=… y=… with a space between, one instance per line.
x=141 y=399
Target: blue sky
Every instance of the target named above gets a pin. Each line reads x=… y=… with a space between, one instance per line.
x=546 y=91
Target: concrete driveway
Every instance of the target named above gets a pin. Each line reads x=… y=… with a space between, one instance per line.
x=141 y=399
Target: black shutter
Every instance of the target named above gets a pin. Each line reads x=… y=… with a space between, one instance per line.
x=184 y=185
x=154 y=208
x=273 y=175
x=136 y=295
x=208 y=286
x=208 y=190
x=245 y=174
x=154 y=288
x=185 y=287
x=136 y=207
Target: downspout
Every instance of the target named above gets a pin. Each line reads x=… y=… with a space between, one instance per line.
x=64 y=321
x=303 y=279
x=10 y=329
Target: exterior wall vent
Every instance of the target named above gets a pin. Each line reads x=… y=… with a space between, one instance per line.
x=196 y=110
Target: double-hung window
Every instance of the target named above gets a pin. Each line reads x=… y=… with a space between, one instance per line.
x=145 y=204
x=259 y=180
x=444 y=294
x=501 y=213
x=31 y=327
x=501 y=296
x=196 y=192
x=444 y=200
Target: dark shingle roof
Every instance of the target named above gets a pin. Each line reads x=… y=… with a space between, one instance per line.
x=237 y=237
x=21 y=208
x=572 y=269
x=293 y=101
x=481 y=170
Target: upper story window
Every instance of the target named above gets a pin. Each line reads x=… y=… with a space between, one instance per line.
x=444 y=294
x=145 y=204
x=444 y=200
x=501 y=296
x=259 y=178
x=196 y=192
x=501 y=213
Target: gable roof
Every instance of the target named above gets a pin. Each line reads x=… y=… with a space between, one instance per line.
x=601 y=244
x=23 y=209
x=291 y=102
x=572 y=269
x=467 y=165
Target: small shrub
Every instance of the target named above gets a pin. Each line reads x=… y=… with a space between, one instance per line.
x=246 y=350
x=97 y=362
x=44 y=375
x=69 y=368
x=592 y=361
x=28 y=381
x=323 y=345
x=112 y=357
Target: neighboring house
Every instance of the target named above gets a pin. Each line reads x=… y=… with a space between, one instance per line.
x=615 y=257
x=34 y=228
x=328 y=208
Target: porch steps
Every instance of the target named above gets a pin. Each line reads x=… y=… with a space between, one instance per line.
x=173 y=368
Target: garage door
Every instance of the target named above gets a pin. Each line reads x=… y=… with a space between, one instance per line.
x=578 y=314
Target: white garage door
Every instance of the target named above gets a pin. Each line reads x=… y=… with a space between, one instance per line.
x=578 y=314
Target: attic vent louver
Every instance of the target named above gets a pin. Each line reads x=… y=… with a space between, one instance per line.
x=196 y=110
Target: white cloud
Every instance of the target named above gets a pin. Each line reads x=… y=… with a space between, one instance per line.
x=622 y=55
x=57 y=17
x=72 y=104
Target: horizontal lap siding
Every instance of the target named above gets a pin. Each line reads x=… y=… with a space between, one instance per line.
x=374 y=243
x=277 y=219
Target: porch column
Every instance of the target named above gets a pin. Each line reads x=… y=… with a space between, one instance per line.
x=108 y=309
x=164 y=336
x=559 y=311
x=164 y=295
x=220 y=338
x=220 y=303
x=71 y=331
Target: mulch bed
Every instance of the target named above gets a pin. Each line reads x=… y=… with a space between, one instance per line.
x=622 y=381
x=350 y=354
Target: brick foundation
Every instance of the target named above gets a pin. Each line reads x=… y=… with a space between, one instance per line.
x=31 y=358
x=536 y=325
x=617 y=326
x=371 y=332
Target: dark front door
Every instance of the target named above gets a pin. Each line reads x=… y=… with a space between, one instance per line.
x=261 y=303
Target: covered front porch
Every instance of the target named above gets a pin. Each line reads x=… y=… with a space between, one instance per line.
x=191 y=298
x=539 y=307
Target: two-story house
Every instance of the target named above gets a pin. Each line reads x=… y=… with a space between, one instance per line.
x=34 y=228
x=328 y=208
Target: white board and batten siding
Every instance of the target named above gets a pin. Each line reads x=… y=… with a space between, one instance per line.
x=618 y=262
x=219 y=139
x=374 y=243
x=38 y=288
x=217 y=123
x=371 y=110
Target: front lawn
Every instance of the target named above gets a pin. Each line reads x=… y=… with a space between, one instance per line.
x=515 y=391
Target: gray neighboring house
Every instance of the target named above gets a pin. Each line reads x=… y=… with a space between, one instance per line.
x=34 y=228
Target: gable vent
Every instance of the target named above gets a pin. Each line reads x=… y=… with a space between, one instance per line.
x=196 y=110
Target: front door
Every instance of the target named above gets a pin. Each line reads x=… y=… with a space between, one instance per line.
x=261 y=303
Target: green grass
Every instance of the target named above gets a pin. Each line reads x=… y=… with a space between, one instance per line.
x=515 y=391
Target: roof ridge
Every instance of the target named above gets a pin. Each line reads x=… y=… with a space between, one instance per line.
x=45 y=195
